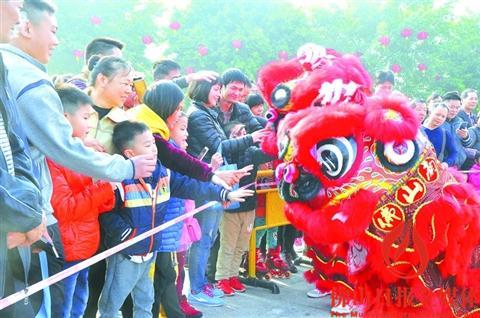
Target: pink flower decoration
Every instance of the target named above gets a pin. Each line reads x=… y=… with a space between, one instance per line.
x=396 y=68
x=189 y=70
x=438 y=77
x=175 y=25
x=237 y=44
x=147 y=39
x=78 y=53
x=423 y=35
x=283 y=55
x=406 y=32
x=422 y=67
x=384 y=40
x=95 y=20
x=202 y=50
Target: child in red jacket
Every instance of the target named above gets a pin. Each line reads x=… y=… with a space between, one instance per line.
x=77 y=201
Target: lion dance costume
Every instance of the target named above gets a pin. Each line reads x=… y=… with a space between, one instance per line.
x=387 y=224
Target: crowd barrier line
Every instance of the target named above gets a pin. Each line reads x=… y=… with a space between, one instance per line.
x=30 y=290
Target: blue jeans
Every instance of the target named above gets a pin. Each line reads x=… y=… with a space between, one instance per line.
x=122 y=278
x=271 y=234
x=209 y=221
x=76 y=293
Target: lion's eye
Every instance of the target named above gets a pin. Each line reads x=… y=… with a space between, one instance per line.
x=397 y=156
x=281 y=96
x=336 y=156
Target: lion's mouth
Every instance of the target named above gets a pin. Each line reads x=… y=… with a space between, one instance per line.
x=305 y=188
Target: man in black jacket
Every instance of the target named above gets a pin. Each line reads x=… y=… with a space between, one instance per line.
x=234 y=82
x=20 y=199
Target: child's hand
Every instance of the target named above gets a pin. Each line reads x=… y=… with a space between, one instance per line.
x=232 y=177
x=93 y=143
x=245 y=171
x=239 y=195
x=219 y=181
x=217 y=161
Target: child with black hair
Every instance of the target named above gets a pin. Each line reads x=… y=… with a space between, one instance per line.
x=257 y=107
x=77 y=201
x=140 y=206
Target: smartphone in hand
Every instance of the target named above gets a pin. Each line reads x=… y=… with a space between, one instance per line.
x=203 y=153
x=463 y=125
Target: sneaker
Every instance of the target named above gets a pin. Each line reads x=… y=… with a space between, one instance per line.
x=317 y=293
x=216 y=291
x=188 y=310
x=343 y=309
x=205 y=297
x=224 y=285
x=236 y=284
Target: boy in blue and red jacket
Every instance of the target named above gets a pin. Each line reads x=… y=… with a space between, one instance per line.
x=140 y=206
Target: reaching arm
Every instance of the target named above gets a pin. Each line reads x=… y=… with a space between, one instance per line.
x=48 y=130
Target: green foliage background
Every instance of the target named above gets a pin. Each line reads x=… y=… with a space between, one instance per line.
x=269 y=26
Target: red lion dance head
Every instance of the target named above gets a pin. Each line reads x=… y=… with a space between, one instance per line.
x=381 y=214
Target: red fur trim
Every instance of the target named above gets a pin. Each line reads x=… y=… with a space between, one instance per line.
x=269 y=144
x=334 y=231
x=380 y=127
x=438 y=214
x=358 y=74
x=289 y=121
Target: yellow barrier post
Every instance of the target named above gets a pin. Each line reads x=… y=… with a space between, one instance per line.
x=274 y=216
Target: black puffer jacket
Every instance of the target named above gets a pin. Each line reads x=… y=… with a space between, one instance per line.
x=204 y=130
x=253 y=155
x=242 y=113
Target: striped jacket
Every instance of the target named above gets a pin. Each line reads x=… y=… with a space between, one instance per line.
x=141 y=205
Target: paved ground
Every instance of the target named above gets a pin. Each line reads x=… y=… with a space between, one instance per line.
x=292 y=302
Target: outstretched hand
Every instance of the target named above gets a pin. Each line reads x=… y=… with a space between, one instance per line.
x=240 y=195
x=232 y=177
x=208 y=76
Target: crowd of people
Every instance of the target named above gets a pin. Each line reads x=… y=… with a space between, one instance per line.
x=450 y=123
x=92 y=160
x=95 y=159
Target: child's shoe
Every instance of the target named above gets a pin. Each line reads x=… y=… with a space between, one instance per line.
x=188 y=310
x=205 y=297
x=260 y=265
x=236 y=284
x=275 y=261
x=216 y=291
x=224 y=285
